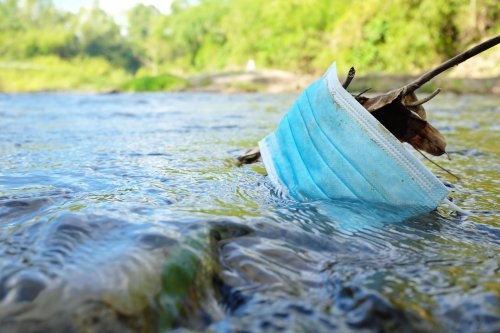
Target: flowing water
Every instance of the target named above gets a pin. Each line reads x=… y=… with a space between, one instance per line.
x=126 y=213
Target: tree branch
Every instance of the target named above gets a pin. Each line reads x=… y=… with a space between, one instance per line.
x=411 y=87
x=424 y=100
x=361 y=93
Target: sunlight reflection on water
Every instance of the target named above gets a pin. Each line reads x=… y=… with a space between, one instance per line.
x=127 y=213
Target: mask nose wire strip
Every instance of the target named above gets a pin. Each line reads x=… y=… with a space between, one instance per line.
x=339 y=151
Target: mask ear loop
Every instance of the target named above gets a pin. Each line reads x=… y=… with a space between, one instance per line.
x=457 y=209
x=446 y=200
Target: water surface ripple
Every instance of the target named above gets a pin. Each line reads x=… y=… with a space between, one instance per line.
x=126 y=213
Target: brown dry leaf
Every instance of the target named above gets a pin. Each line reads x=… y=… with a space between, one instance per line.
x=378 y=102
x=407 y=123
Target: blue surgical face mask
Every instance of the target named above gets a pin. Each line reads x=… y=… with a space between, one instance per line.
x=329 y=147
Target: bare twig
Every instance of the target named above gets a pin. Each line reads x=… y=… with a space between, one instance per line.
x=411 y=87
x=444 y=169
x=424 y=100
x=361 y=93
x=349 y=77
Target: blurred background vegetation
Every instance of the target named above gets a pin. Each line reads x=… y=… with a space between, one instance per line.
x=45 y=48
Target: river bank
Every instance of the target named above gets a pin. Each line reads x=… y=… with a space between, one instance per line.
x=97 y=77
x=273 y=81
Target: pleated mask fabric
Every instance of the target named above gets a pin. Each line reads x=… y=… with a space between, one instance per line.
x=328 y=147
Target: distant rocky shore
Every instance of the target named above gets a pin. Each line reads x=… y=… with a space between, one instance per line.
x=274 y=81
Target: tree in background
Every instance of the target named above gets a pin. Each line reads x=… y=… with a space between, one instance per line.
x=99 y=36
x=34 y=28
x=305 y=36
x=389 y=36
x=196 y=36
x=146 y=32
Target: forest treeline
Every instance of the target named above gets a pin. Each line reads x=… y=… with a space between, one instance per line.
x=43 y=47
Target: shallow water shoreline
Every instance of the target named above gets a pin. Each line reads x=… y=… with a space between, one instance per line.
x=275 y=81
x=282 y=82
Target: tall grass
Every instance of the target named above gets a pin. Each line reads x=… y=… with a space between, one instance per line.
x=50 y=73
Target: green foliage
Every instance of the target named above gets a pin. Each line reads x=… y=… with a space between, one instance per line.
x=387 y=36
x=146 y=34
x=306 y=36
x=163 y=82
x=53 y=73
x=33 y=28
x=100 y=36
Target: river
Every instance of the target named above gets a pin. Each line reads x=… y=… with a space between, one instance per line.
x=126 y=213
